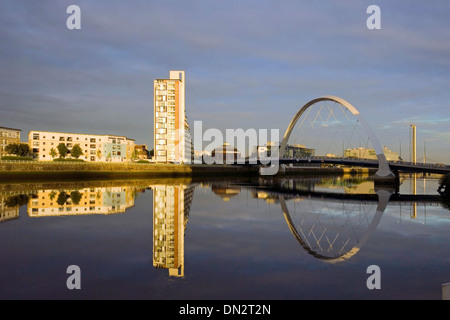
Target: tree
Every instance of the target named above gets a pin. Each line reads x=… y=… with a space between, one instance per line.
x=76 y=151
x=62 y=198
x=24 y=149
x=12 y=148
x=63 y=150
x=76 y=197
x=53 y=153
x=52 y=195
x=19 y=149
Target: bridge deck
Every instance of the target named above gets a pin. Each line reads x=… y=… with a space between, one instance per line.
x=394 y=165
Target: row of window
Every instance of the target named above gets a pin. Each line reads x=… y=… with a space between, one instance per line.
x=7 y=134
x=36 y=136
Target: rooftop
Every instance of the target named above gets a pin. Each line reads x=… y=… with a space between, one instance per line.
x=10 y=128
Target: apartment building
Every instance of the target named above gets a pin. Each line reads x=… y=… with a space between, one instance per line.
x=95 y=148
x=8 y=136
x=171 y=134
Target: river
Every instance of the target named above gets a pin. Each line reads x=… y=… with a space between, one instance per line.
x=296 y=238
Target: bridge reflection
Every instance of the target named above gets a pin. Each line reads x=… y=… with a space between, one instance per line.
x=331 y=217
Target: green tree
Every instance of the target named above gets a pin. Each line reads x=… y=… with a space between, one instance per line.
x=134 y=155
x=62 y=198
x=12 y=148
x=52 y=195
x=19 y=149
x=53 y=153
x=63 y=150
x=19 y=200
x=76 y=151
x=76 y=197
x=24 y=149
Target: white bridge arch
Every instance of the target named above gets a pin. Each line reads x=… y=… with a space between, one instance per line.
x=384 y=170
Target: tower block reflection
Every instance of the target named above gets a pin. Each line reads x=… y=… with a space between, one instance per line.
x=171 y=205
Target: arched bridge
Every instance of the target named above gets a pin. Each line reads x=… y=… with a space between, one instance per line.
x=386 y=170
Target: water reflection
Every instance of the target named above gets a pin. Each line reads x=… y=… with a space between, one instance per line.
x=331 y=217
x=66 y=202
x=171 y=205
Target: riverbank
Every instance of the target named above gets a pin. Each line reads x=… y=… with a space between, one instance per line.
x=30 y=171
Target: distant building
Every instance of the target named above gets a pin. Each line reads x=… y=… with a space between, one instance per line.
x=8 y=136
x=298 y=151
x=226 y=154
x=142 y=152
x=291 y=151
x=366 y=153
x=95 y=148
x=172 y=139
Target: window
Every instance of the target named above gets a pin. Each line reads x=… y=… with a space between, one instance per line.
x=35 y=136
x=62 y=139
x=92 y=140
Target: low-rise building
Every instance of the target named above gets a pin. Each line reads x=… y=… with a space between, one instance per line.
x=141 y=152
x=367 y=153
x=95 y=148
x=8 y=136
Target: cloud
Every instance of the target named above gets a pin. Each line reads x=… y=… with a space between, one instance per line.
x=258 y=61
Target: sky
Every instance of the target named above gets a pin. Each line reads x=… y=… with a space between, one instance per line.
x=248 y=63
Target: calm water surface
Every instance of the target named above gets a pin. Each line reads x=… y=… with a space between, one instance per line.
x=299 y=238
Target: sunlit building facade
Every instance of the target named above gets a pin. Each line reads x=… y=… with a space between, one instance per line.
x=172 y=140
x=8 y=136
x=95 y=148
x=367 y=153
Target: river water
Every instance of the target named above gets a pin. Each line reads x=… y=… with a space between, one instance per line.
x=334 y=237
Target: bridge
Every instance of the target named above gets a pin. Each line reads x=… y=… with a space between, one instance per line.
x=401 y=166
x=387 y=171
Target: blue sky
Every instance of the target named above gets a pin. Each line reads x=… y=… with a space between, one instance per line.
x=249 y=64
